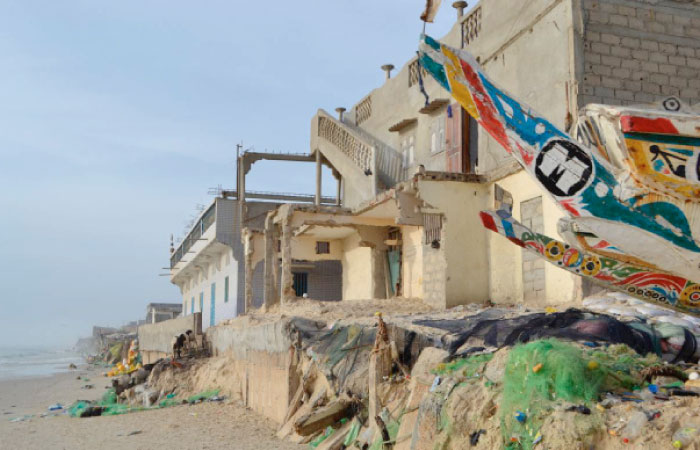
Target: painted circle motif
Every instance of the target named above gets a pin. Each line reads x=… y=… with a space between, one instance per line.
x=563 y=167
x=572 y=258
x=590 y=266
x=554 y=250
x=691 y=295
x=671 y=104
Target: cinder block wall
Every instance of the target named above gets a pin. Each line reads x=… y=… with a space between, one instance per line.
x=640 y=51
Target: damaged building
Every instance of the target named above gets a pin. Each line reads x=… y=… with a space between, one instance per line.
x=413 y=170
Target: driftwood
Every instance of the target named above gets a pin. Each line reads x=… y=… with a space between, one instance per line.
x=335 y=441
x=319 y=419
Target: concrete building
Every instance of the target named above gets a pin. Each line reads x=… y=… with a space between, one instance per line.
x=158 y=312
x=210 y=266
x=414 y=172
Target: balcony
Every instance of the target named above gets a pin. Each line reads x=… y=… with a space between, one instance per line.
x=205 y=221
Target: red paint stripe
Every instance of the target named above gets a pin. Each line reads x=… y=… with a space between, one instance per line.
x=488 y=222
x=634 y=124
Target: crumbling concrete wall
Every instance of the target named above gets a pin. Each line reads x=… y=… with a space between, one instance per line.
x=640 y=52
x=262 y=362
x=156 y=339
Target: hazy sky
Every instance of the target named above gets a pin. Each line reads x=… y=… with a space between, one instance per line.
x=116 y=118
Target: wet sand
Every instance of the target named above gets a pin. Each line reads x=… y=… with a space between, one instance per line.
x=202 y=426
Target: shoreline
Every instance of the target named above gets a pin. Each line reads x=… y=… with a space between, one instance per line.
x=206 y=425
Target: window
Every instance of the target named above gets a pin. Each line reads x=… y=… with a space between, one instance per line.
x=301 y=284
x=323 y=247
x=213 y=292
x=192 y=305
x=226 y=290
x=437 y=134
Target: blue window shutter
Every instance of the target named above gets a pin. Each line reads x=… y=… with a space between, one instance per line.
x=226 y=290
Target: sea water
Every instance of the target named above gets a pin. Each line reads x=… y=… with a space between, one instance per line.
x=31 y=362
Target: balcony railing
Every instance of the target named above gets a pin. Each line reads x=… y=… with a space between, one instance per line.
x=201 y=227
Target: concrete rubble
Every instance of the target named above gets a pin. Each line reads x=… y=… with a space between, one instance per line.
x=445 y=379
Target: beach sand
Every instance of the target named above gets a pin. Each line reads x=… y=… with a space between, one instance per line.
x=202 y=426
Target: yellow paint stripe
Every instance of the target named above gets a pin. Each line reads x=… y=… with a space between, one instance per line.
x=460 y=92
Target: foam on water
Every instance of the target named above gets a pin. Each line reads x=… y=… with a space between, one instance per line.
x=18 y=363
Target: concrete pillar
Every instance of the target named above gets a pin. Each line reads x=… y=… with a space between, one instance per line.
x=341 y=112
x=241 y=179
x=460 y=6
x=287 y=282
x=319 y=178
x=248 y=261
x=388 y=68
x=339 y=192
x=270 y=287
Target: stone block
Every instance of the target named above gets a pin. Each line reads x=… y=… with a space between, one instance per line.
x=604 y=91
x=677 y=60
x=591 y=58
x=620 y=20
x=599 y=47
x=631 y=64
x=610 y=39
x=644 y=97
x=611 y=61
x=651 y=88
x=629 y=42
x=658 y=78
x=621 y=52
x=636 y=24
x=658 y=58
x=612 y=83
x=650 y=67
x=668 y=69
x=624 y=95
x=678 y=82
x=650 y=45
x=632 y=85
x=668 y=48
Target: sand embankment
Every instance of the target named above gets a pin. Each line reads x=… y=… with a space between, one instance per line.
x=202 y=426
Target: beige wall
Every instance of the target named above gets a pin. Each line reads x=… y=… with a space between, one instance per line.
x=412 y=270
x=304 y=248
x=357 y=269
x=505 y=258
x=463 y=238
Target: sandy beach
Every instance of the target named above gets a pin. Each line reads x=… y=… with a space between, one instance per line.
x=202 y=426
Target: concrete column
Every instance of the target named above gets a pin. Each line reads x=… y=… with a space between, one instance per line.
x=387 y=68
x=287 y=278
x=460 y=6
x=319 y=178
x=241 y=179
x=339 y=192
x=248 y=261
x=270 y=288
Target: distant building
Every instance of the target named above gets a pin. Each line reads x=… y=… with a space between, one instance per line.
x=158 y=312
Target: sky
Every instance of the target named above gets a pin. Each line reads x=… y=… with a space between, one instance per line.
x=117 y=117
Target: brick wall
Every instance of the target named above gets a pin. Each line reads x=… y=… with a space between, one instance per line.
x=640 y=51
x=533 y=266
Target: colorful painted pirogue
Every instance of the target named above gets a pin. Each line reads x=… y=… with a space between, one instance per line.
x=629 y=182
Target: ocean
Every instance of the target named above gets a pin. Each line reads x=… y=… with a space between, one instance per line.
x=16 y=363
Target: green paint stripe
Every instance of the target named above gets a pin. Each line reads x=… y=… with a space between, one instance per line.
x=664 y=138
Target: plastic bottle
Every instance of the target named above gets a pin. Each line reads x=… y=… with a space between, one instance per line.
x=634 y=426
x=685 y=436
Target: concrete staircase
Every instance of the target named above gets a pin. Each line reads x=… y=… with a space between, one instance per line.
x=367 y=165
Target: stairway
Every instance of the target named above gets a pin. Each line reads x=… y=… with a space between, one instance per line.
x=367 y=165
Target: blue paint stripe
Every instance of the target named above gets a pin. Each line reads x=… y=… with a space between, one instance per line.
x=508 y=228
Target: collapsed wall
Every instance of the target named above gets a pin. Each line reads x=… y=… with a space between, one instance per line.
x=156 y=339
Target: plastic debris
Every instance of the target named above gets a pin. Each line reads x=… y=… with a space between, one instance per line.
x=55 y=407
x=436 y=383
x=537 y=368
x=634 y=426
x=685 y=436
x=474 y=437
x=520 y=416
